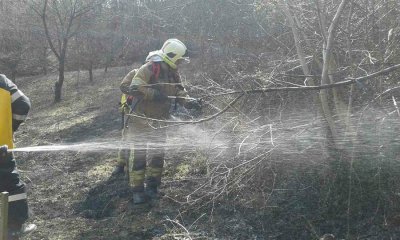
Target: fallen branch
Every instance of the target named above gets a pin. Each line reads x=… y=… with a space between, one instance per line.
x=314 y=88
x=263 y=90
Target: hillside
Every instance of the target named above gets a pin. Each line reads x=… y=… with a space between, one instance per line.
x=257 y=171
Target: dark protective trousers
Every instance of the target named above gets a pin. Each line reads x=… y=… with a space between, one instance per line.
x=10 y=182
x=146 y=160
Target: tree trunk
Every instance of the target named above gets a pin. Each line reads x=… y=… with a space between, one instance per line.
x=109 y=60
x=44 y=63
x=322 y=105
x=58 y=85
x=327 y=54
x=91 y=71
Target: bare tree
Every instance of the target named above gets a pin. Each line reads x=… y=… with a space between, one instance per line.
x=61 y=21
x=15 y=39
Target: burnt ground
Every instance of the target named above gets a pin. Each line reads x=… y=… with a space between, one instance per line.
x=71 y=194
x=295 y=192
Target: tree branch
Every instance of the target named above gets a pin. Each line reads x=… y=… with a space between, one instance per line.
x=314 y=88
x=281 y=89
x=46 y=30
x=329 y=41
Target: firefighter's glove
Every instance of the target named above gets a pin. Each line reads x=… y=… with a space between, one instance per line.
x=194 y=104
x=3 y=152
x=158 y=96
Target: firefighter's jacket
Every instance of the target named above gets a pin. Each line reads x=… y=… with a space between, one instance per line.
x=144 y=84
x=14 y=108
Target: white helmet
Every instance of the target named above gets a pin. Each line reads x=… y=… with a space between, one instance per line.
x=173 y=50
x=155 y=56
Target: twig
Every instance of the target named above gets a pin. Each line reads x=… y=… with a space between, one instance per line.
x=379 y=96
x=240 y=146
x=395 y=105
x=202 y=215
x=272 y=139
x=180 y=225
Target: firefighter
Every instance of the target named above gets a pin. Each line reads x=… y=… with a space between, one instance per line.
x=152 y=86
x=14 y=107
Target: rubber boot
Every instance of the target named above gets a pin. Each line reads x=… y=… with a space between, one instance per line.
x=139 y=198
x=153 y=193
x=25 y=229
x=118 y=170
x=28 y=228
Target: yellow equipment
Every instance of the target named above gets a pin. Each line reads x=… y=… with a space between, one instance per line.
x=124 y=104
x=6 y=134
